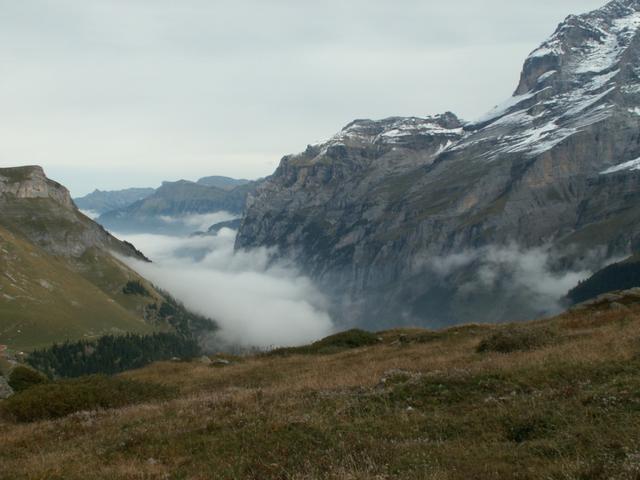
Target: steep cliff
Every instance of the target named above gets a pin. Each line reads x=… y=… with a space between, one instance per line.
x=401 y=218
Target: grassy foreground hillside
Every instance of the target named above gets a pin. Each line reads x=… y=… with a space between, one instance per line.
x=555 y=399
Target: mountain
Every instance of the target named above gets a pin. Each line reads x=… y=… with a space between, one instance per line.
x=225 y=183
x=169 y=208
x=438 y=221
x=61 y=274
x=100 y=202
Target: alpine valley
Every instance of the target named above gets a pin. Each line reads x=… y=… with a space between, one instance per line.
x=412 y=299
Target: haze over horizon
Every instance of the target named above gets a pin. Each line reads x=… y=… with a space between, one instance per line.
x=113 y=94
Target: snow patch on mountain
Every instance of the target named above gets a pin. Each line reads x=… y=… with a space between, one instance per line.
x=627 y=166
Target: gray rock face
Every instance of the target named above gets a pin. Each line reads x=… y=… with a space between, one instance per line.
x=5 y=390
x=30 y=183
x=375 y=211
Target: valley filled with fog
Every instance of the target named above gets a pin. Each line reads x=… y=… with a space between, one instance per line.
x=255 y=300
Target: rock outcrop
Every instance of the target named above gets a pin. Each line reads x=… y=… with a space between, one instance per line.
x=5 y=390
x=374 y=213
x=30 y=182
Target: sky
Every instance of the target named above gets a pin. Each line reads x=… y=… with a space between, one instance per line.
x=117 y=93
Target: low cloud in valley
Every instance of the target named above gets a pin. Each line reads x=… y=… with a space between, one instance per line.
x=255 y=301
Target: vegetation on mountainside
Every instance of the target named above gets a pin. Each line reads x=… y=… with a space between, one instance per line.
x=68 y=306
x=183 y=321
x=134 y=287
x=619 y=276
x=111 y=354
x=416 y=405
x=79 y=304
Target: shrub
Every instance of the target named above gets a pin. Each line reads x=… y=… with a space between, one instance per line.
x=332 y=344
x=517 y=339
x=530 y=426
x=22 y=378
x=64 y=397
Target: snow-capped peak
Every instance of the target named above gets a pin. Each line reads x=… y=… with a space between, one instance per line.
x=396 y=130
x=587 y=70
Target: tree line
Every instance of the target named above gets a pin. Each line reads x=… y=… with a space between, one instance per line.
x=619 y=276
x=111 y=354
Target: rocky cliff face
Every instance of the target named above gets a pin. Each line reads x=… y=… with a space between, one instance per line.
x=42 y=210
x=403 y=216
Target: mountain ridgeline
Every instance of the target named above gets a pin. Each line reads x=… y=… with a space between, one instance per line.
x=163 y=210
x=99 y=202
x=428 y=220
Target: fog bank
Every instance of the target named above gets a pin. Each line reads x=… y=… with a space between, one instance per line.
x=255 y=301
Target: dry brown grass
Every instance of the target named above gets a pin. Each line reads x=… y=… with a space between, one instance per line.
x=567 y=410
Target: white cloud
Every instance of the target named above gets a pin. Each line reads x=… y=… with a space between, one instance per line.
x=527 y=273
x=255 y=301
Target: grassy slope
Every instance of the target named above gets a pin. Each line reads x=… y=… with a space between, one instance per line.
x=42 y=300
x=419 y=405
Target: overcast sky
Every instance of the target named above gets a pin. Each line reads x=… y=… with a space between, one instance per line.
x=116 y=93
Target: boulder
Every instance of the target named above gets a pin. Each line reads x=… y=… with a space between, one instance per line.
x=5 y=390
x=204 y=360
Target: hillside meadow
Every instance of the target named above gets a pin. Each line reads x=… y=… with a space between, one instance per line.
x=553 y=399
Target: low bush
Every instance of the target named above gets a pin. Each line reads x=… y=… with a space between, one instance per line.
x=64 y=397
x=533 y=425
x=332 y=344
x=517 y=339
x=22 y=378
